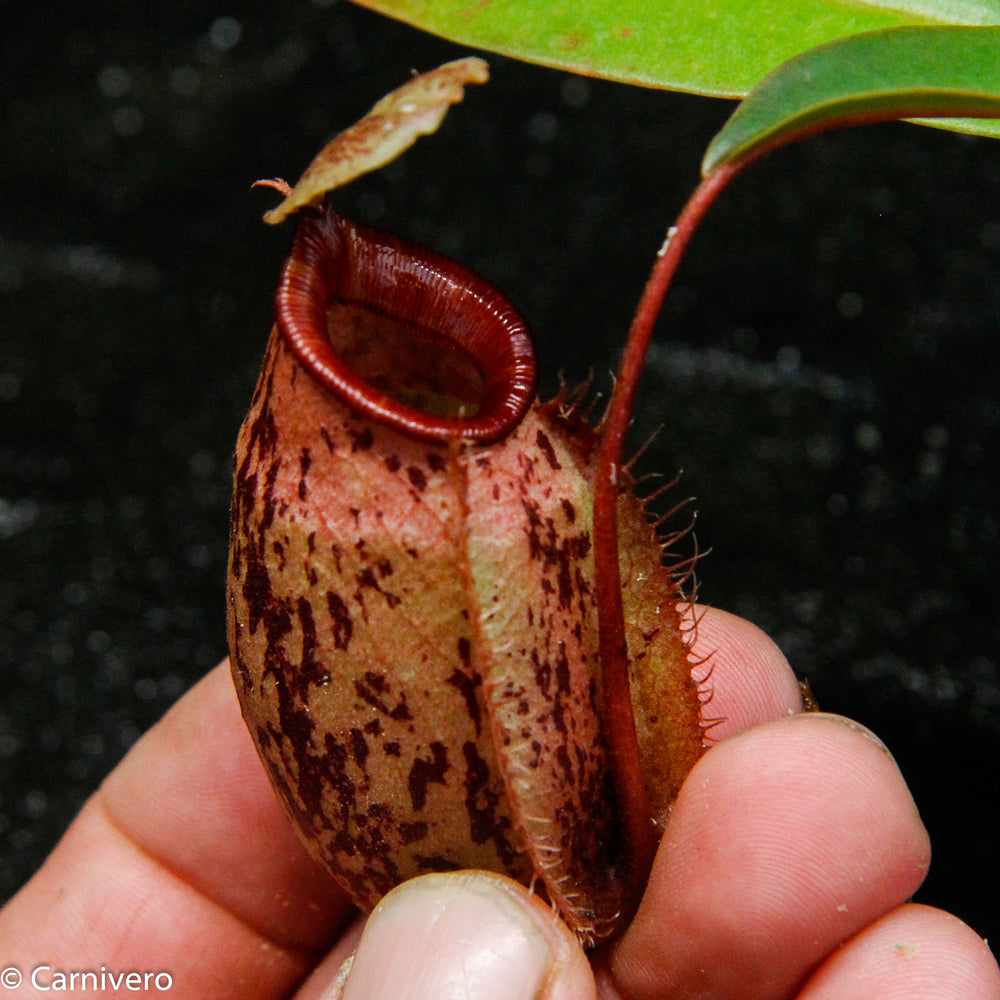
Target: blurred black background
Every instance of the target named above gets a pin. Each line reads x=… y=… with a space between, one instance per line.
x=826 y=371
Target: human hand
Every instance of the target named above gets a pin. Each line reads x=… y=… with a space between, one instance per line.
x=783 y=873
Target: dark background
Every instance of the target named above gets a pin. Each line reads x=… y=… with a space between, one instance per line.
x=826 y=373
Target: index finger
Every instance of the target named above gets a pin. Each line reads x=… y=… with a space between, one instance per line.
x=183 y=861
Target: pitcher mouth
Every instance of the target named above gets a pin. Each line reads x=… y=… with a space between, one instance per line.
x=404 y=335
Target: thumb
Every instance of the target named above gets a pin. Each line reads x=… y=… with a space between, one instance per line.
x=466 y=936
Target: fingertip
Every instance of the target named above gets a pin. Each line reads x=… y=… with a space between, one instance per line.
x=749 y=677
x=466 y=936
x=785 y=840
x=914 y=952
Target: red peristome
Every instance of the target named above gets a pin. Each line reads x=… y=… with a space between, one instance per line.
x=335 y=261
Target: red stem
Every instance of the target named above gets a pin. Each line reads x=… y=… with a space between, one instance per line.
x=633 y=800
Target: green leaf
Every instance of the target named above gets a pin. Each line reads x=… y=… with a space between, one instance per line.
x=716 y=47
x=896 y=73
